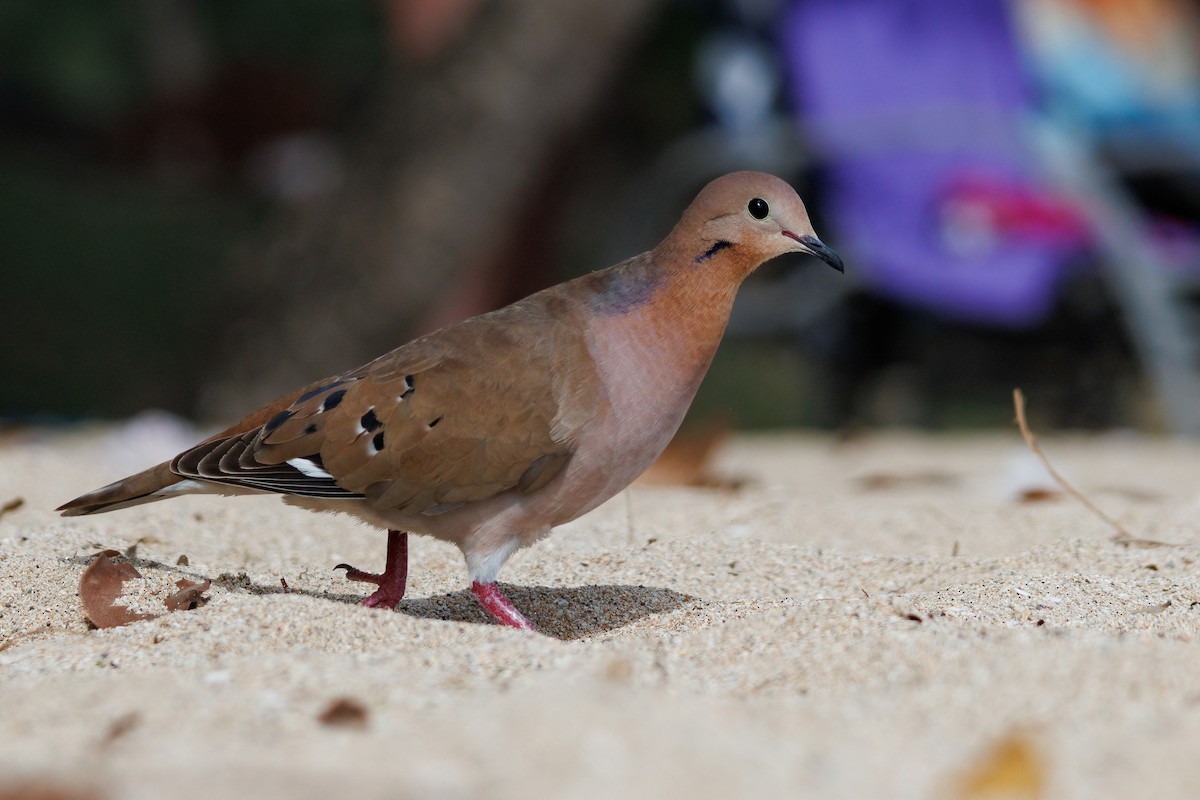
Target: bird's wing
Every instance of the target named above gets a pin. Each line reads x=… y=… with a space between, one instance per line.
x=491 y=404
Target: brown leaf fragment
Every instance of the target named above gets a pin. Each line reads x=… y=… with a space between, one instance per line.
x=1129 y=493
x=687 y=461
x=880 y=481
x=344 y=713
x=1142 y=544
x=12 y=505
x=1038 y=494
x=619 y=670
x=131 y=551
x=45 y=790
x=1154 y=609
x=120 y=726
x=1011 y=769
x=101 y=585
x=182 y=561
x=189 y=596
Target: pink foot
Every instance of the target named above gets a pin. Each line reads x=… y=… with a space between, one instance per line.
x=499 y=607
x=395 y=574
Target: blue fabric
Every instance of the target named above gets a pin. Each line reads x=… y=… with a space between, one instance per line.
x=906 y=97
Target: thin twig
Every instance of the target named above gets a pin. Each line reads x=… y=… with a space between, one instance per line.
x=628 y=515
x=1122 y=536
x=17 y=638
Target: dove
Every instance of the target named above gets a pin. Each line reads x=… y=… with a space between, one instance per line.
x=492 y=431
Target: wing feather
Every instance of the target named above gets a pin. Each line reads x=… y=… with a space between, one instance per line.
x=490 y=405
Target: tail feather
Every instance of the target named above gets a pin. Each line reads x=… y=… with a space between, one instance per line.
x=160 y=482
x=144 y=487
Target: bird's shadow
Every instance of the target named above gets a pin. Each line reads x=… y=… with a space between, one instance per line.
x=560 y=612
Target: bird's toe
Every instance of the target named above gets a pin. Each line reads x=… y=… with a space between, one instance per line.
x=355 y=574
x=383 y=599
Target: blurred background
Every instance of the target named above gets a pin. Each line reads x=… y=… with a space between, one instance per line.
x=206 y=204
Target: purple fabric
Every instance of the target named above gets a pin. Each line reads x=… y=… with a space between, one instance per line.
x=905 y=97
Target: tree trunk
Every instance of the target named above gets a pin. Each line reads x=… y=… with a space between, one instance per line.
x=447 y=153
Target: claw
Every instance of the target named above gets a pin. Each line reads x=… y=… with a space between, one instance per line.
x=392 y=581
x=354 y=573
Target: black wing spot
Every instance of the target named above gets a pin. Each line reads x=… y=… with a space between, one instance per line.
x=311 y=429
x=311 y=393
x=409 y=385
x=377 y=442
x=278 y=419
x=332 y=401
x=433 y=424
x=370 y=422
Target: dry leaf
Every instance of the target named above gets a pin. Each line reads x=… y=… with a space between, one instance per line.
x=877 y=481
x=688 y=458
x=131 y=551
x=344 y=713
x=103 y=582
x=12 y=505
x=1154 y=609
x=189 y=595
x=100 y=586
x=121 y=726
x=1011 y=769
x=619 y=670
x=44 y=790
x=1137 y=495
x=1038 y=494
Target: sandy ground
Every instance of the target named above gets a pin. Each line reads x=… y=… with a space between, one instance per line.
x=883 y=618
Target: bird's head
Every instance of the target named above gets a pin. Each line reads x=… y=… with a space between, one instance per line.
x=742 y=219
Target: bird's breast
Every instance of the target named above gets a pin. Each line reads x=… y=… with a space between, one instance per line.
x=649 y=376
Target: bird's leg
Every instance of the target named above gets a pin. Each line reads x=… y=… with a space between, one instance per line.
x=392 y=581
x=496 y=604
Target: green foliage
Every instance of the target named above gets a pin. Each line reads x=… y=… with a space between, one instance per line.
x=87 y=59
x=110 y=281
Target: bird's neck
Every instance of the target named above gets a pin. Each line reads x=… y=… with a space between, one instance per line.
x=690 y=311
x=670 y=306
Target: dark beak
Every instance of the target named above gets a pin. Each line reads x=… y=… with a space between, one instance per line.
x=819 y=249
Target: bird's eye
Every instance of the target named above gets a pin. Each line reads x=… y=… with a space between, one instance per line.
x=759 y=208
